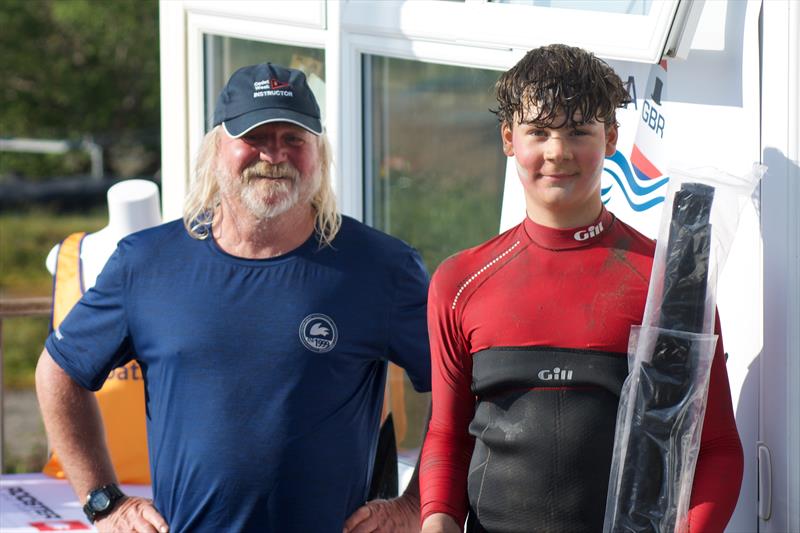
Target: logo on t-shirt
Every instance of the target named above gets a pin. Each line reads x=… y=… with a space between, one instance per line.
x=318 y=333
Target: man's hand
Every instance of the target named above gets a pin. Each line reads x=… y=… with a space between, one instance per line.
x=440 y=523
x=133 y=514
x=399 y=515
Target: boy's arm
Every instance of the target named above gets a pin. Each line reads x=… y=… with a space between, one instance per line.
x=448 y=446
x=718 y=473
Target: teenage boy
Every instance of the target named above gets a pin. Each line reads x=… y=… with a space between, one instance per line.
x=529 y=330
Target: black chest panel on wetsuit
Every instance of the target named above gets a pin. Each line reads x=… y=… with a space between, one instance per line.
x=544 y=429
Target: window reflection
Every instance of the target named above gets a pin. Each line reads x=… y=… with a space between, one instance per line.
x=433 y=174
x=434 y=165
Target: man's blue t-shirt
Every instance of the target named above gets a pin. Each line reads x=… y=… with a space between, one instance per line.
x=264 y=378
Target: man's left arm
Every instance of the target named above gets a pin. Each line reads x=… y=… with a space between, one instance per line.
x=409 y=344
x=718 y=474
x=399 y=514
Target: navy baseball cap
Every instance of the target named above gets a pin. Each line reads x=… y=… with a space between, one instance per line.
x=260 y=94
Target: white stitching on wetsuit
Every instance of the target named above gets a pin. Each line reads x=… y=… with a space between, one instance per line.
x=479 y=272
x=486 y=468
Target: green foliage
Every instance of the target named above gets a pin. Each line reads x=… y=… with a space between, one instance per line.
x=440 y=217
x=69 y=69
x=25 y=240
x=76 y=68
x=31 y=460
x=437 y=169
x=23 y=340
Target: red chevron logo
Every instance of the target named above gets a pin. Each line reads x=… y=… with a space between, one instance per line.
x=275 y=84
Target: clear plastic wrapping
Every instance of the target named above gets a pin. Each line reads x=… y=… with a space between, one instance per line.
x=663 y=400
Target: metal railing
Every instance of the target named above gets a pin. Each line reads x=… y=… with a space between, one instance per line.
x=58 y=146
x=17 y=307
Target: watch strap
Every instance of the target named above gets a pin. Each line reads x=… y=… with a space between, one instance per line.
x=114 y=495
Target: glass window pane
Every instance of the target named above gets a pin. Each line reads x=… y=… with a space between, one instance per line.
x=434 y=165
x=625 y=7
x=433 y=168
x=223 y=55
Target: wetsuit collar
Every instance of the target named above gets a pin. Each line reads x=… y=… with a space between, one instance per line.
x=565 y=239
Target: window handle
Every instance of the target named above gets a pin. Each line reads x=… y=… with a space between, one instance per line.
x=764 y=482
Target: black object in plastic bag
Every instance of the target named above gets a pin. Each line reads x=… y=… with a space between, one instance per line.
x=648 y=489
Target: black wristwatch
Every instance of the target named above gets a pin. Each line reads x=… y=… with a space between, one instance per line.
x=102 y=501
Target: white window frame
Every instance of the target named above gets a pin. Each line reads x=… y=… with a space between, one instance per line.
x=779 y=401
x=640 y=38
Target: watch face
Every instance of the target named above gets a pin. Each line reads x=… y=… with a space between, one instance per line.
x=99 y=501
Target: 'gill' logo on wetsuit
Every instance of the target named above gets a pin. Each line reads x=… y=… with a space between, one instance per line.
x=556 y=373
x=588 y=233
x=318 y=333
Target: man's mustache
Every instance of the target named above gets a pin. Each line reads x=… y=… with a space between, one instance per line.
x=263 y=169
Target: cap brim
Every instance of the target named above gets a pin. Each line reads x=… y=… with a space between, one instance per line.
x=238 y=126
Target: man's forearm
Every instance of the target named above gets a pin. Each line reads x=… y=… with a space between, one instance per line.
x=74 y=427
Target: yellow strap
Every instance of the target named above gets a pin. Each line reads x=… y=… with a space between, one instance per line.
x=67 y=282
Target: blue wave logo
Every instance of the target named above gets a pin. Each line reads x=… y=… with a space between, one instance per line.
x=641 y=194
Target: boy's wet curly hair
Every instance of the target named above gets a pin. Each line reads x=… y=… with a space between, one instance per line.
x=558 y=77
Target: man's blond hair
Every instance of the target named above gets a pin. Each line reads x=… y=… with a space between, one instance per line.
x=203 y=198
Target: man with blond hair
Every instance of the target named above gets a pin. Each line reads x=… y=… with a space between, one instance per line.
x=263 y=323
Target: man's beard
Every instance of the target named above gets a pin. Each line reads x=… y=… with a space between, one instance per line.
x=268 y=190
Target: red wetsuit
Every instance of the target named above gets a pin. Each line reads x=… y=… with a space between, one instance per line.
x=536 y=288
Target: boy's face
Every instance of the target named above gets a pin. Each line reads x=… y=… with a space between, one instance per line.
x=560 y=168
